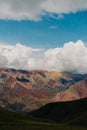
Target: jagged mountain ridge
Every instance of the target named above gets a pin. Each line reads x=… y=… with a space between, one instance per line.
x=23 y=90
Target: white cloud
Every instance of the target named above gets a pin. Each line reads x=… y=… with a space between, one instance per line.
x=18 y=56
x=34 y=9
x=72 y=57
x=5 y=46
x=53 y=27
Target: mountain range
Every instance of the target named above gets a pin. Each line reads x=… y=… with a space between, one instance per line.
x=24 y=91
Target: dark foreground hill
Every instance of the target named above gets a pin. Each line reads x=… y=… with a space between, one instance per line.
x=69 y=116
x=71 y=112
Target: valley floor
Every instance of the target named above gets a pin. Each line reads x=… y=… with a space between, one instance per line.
x=37 y=126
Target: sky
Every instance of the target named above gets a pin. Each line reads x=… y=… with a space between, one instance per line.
x=44 y=34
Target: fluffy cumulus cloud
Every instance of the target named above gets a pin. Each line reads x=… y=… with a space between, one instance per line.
x=18 y=56
x=34 y=9
x=72 y=57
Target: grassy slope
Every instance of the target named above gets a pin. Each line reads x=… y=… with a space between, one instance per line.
x=14 y=121
x=75 y=121
x=73 y=112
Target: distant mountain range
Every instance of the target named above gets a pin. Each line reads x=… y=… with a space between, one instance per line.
x=24 y=91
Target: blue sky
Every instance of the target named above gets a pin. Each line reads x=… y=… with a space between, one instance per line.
x=43 y=24
x=44 y=34
x=47 y=33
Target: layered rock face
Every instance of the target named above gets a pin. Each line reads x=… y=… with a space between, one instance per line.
x=24 y=91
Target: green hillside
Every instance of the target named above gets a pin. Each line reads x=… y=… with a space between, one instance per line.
x=73 y=116
x=72 y=112
x=15 y=121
